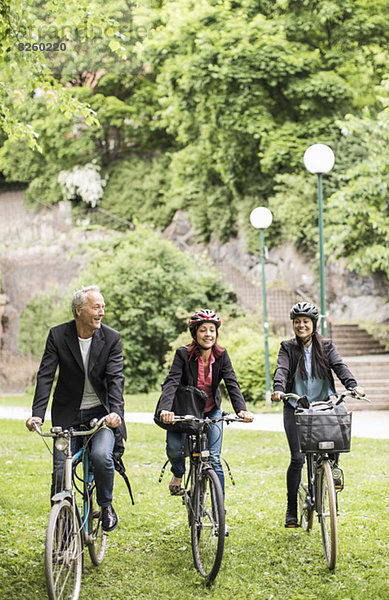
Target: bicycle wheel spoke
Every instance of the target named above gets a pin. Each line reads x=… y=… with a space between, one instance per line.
x=208 y=526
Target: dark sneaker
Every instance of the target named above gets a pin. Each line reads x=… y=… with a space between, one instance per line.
x=291 y=521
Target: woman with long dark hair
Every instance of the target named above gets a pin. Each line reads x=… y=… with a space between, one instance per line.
x=202 y=364
x=305 y=367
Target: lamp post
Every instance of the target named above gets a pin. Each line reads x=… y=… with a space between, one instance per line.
x=319 y=159
x=261 y=218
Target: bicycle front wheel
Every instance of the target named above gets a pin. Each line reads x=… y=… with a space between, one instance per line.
x=63 y=553
x=208 y=525
x=98 y=537
x=327 y=515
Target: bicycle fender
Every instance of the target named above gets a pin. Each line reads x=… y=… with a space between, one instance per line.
x=64 y=495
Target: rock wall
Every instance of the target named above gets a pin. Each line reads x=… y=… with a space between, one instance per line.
x=38 y=251
x=349 y=297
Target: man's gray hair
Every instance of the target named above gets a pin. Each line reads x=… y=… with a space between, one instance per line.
x=79 y=297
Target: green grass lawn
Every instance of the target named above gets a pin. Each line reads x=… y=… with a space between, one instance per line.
x=149 y=555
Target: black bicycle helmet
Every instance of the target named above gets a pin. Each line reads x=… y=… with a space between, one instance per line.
x=205 y=314
x=305 y=309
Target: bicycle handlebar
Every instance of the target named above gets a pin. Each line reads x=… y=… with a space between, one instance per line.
x=94 y=424
x=340 y=396
x=229 y=418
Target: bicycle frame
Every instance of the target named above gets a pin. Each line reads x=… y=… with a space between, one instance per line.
x=315 y=464
x=199 y=457
x=88 y=484
x=71 y=460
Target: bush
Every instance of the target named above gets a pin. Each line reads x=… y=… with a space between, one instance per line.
x=244 y=339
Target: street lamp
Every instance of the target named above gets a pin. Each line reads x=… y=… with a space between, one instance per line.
x=319 y=159
x=261 y=219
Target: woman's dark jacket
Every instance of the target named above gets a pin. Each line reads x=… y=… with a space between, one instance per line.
x=185 y=372
x=288 y=361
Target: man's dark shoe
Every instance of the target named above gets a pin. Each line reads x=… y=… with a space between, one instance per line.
x=109 y=519
x=176 y=490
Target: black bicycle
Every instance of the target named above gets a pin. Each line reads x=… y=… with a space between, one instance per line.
x=203 y=498
x=70 y=527
x=322 y=479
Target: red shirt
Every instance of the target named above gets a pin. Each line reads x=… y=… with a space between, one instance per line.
x=206 y=383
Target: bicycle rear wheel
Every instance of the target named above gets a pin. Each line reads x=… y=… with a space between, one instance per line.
x=208 y=525
x=63 y=553
x=327 y=515
x=98 y=544
x=305 y=502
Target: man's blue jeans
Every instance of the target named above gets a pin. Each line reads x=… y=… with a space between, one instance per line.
x=175 y=447
x=101 y=448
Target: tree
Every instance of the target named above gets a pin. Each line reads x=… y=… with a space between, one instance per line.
x=246 y=86
x=360 y=208
x=24 y=65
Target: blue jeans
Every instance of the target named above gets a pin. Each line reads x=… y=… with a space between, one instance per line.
x=175 y=447
x=101 y=447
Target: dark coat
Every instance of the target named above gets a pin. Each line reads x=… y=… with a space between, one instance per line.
x=105 y=374
x=185 y=372
x=287 y=363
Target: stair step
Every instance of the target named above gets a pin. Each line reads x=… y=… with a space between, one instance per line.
x=348 y=351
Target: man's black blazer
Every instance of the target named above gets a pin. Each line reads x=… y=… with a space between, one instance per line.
x=185 y=372
x=105 y=374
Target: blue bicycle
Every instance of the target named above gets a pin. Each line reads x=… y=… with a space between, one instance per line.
x=70 y=528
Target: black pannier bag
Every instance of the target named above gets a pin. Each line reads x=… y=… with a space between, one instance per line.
x=324 y=426
x=189 y=400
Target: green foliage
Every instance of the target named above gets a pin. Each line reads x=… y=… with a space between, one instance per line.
x=137 y=191
x=294 y=206
x=244 y=339
x=245 y=87
x=360 y=209
x=25 y=71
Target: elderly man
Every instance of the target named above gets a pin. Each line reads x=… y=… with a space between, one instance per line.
x=90 y=385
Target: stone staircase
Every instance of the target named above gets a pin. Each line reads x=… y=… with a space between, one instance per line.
x=372 y=373
x=369 y=362
x=351 y=340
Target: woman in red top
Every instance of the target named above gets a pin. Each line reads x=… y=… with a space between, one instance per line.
x=202 y=364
